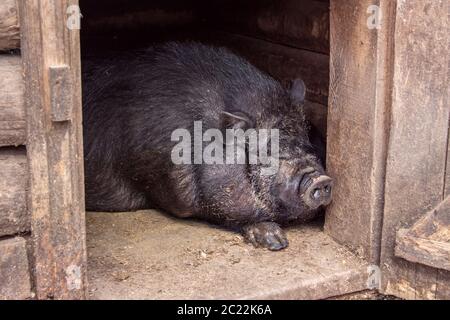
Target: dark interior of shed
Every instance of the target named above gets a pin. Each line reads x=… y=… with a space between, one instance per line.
x=150 y=255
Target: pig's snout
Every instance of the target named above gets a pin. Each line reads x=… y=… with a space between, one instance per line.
x=317 y=190
x=309 y=187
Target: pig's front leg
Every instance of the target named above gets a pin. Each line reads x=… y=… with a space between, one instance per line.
x=266 y=234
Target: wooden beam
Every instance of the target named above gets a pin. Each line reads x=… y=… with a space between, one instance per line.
x=12 y=110
x=54 y=151
x=9 y=25
x=428 y=241
x=302 y=24
x=358 y=116
x=14 y=217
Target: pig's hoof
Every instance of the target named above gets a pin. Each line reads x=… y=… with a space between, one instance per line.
x=266 y=234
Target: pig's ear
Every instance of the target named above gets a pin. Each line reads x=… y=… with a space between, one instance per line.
x=298 y=92
x=236 y=120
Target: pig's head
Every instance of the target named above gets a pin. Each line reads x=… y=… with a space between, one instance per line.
x=299 y=185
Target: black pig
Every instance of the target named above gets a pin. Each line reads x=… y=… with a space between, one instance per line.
x=134 y=103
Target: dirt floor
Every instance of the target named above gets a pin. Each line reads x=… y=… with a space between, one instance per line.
x=149 y=255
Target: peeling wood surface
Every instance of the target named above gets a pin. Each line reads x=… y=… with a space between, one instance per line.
x=14 y=270
x=14 y=217
x=360 y=81
x=9 y=25
x=435 y=254
x=12 y=110
x=106 y=16
x=428 y=241
x=418 y=144
x=54 y=152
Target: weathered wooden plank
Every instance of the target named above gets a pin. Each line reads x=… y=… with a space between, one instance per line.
x=435 y=225
x=54 y=152
x=360 y=82
x=297 y=23
x=102 y=17
x=14 y=217
x=418 y=137
x=12 y=111
x=14 y=270
x=9 y=25
x=435 y=254
x=428 y=241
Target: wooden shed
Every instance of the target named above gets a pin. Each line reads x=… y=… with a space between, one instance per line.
x=377 y=76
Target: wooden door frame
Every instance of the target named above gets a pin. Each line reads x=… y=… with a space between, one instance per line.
x=361 y=63
x=51 y=65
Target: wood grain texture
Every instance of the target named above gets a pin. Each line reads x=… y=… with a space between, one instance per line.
x=428 y=240
x=358 y=117
x=14 y=217
x=54 y=152
x=424 y=251
x=12 y=110
x=14 y=270
x=301 y=24
x=418 y=138
x=9 y=25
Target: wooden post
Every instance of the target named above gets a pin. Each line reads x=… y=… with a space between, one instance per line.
x=358 y=117
x=54 y=148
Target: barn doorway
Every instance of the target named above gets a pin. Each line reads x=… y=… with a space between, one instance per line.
x=147 y=254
